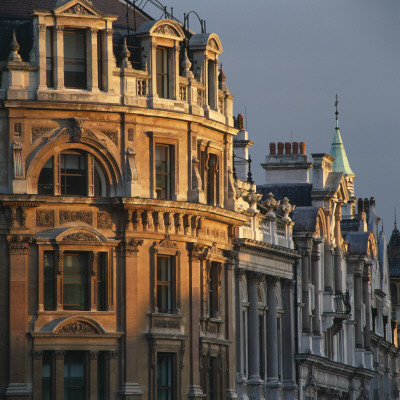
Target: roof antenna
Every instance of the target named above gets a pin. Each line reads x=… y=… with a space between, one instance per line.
x=395 y=219
x=337 y=113
x=245 y=115
x=291 y=137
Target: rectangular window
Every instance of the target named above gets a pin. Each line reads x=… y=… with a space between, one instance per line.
x=213 y=180
x=163 y=162
x=74 y=375
x=45 y=183
x=213 y=295
x=100 y=59
x=75 y=281
x=47 y=376
x=75 y=75
x=166 y=385
x=49 y=298
x=73 y=174
x=101 y=282
x=165 y=284
x=162 y=73
x=49 y=57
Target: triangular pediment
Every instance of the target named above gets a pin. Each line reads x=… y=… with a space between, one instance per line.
x=77 y=8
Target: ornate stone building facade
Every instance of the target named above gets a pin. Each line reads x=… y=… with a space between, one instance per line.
x=118 y=211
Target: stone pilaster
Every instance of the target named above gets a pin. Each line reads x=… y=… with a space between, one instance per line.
x=59 y=58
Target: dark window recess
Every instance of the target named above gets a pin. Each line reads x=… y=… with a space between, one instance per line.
x=75 y=59
x=101 y=282
x=213 y=303
x=163 y=160
x=49 y=298
x=101 y=376
x=74 y=375
x=261 y=344
x=165 y=376
x=165 y=284
x=162 y=73
x=49 y=57
x=48 y=392
x=75 y=281
x=73 y=174
x=213 y=180
x=45 y=184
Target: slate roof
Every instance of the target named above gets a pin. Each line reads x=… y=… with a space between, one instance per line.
x=394 y=253
x=299 y=194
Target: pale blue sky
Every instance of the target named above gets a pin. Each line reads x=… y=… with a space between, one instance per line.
x=285 y=60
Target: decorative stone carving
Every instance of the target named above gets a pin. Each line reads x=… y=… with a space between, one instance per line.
x=212 y=43
x=78 y=9
x=131 y=135
x=45 y=218
x=104 y=220
x=78 y=328
x=197 y=250
x=132 y=172
x=196 y=177
x=72 y=216
x=77 y=130
x=80 y=237
x=311 y=382
x=166 y=30
x=186 y=65
x=252 y=198
x=14 y=47
x=132 y=246
x=41 y=28
x=166 y=243
x=17 y=160
x=286 y=208
x=213 y=251
x=125 y=54
x=112 y=135
x=17 y=129
x=18 y=244
x=269 y=204
x=38 y=131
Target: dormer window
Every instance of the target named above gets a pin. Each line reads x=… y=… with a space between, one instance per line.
x=75 y=75
x=162 y=72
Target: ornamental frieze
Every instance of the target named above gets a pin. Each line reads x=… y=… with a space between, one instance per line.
x=80 y=237
x=45 y=218
x=112 y=135
x=104 y=220
x=78 y=328
x=72 y=216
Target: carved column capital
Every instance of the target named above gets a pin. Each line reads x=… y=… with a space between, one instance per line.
x=287 y=284
x=132 y=246
x=41 y=27
x=59 y=354
x=257 y=277
x=17 y=244
x=272 y=281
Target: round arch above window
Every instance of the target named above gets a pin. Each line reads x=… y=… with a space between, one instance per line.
x=73 y=171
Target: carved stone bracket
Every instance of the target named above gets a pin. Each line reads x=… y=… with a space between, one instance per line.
x=132 y=246
x=18 y=244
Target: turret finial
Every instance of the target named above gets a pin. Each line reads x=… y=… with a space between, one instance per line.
x=337 y=112
x=395 y=219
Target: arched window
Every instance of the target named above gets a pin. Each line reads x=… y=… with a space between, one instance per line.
x=72 y=173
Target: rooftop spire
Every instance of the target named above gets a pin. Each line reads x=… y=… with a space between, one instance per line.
x=341 y=163
x=395 y=219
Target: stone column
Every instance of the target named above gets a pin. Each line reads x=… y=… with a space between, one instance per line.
x=230 y=328
x=109 y=63
x=253 y=337
x=18 y=387
x=367 y=302
x=357 y=304
x=174 y=75
x=42 y=55
x=316 y=279
x=92 y=61
x=305 y=279
x=338 y=270
x=59 y=374
x=37 y=374
x=272 y=323
x=93 y=355
x=328 y=276
x=288 y=334
x=59 y=58
x=130 y=388
x=195 y=390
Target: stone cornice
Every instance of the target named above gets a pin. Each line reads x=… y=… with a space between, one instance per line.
x=267 y=247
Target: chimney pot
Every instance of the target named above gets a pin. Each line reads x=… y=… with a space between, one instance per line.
x=366 y=205
x=295 y=148
x=372 y=201
x=302 y=147
x=360 y=206
x=280 y=148
x=272 y=149
x=288 y=148
x=240 y=122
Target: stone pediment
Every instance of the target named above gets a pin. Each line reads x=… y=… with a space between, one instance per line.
x=77 y=8
x=82 y=234
x=167 y=246
x=78 y=327
x=164 y=28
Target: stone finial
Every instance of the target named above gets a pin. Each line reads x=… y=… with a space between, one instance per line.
x=125 y=55
x=286 y=208
x=270 y=203
x=252 y=198
x=186 y=65
x=14 y=47
x=222 y=79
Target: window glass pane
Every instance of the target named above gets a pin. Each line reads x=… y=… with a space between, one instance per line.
x=74 y=375
x=164 y=284
x=49 y=57
x=73 y=174
x=49 y=284
x=47 y=376
x=45 y=183
x=165 y=384
x=75 y=282
x=101 y=371
x=75 y=59
x=163 y=171
x=100 y=277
